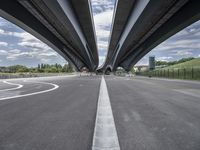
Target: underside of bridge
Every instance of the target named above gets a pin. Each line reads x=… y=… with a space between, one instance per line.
x=65 y=25
x=140 y=25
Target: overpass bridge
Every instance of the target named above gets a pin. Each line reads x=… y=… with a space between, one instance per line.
x=94 y=112
x=140 y=25
x=65 y=25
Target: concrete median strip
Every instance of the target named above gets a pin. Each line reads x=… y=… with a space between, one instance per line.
x=105 y=134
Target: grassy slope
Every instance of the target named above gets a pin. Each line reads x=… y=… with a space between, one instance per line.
x=195 y=63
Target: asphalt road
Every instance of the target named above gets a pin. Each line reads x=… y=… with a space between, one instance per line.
x=156 y=114
x=58 y=113
x=60 y=119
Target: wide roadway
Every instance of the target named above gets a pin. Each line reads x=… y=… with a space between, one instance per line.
x=149 y=114
x=56 y=120
x=156 y=114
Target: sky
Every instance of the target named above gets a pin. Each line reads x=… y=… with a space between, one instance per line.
x=185 y=43
x=19 y=47
x=102 y=14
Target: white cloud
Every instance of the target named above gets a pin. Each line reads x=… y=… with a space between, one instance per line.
x=180 y=44
x=104 y=18
x=12 y=57
x=48 y=54
x=3 y=43
x=45 y=60
x=101 y=32
x=1 y=31
x=103 y=13
x=99 y=6
x=16 y=54
x=102 y=45
x=164 y=58
x=4 y=23
x=3 y=52
x=19 y=46
x=101 y=59
x=183 y=53
x=25 y=36
x=183 y=43
x=35 y=48
x=34 y=45
x=14 y=51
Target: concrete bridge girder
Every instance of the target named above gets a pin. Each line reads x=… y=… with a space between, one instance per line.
x=50 y=23
x=149 y=24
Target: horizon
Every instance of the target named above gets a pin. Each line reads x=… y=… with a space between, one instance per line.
x=133 y=66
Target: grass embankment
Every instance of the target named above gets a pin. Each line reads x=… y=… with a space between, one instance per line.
x=195 y=63
x=189 y=70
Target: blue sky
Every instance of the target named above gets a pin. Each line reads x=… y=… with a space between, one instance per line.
x=19 y=47
x=103 y=14
x=183 y=44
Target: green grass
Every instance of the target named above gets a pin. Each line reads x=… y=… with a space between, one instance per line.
x=195 y=63
x=189 y=70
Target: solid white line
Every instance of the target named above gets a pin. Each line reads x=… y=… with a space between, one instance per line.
x=105 y=134
x=15 y=88
x=34 y=93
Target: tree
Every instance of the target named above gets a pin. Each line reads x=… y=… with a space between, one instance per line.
x=64 y=68
x=133 y=70
x=18 y=68
x=54 y=68
x=160 y=63
x=70 y=68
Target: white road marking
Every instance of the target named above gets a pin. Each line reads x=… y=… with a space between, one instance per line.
x=105 y=134
x=34 y=93
x=15 y=88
